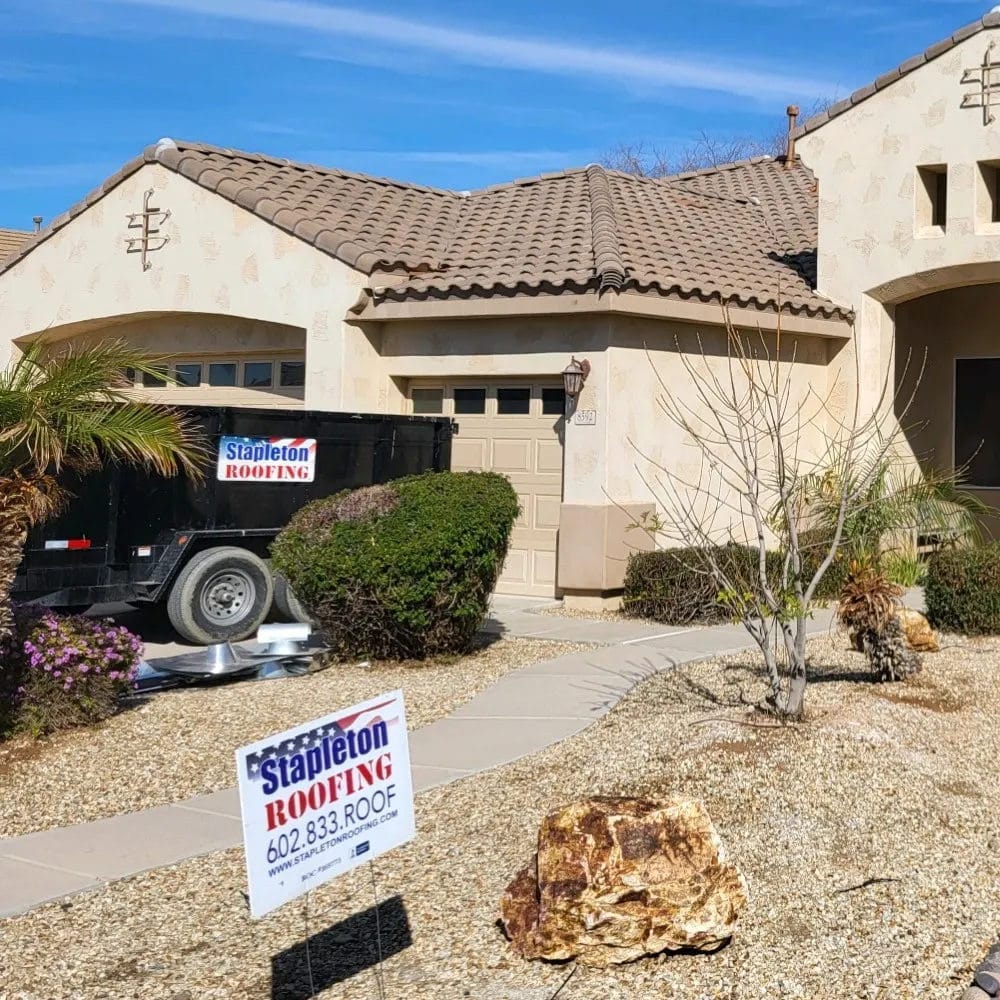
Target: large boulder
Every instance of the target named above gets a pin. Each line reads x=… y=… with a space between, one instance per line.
x=617 y=879
x=917 y=629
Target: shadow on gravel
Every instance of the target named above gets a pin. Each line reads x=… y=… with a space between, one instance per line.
x=341 y=951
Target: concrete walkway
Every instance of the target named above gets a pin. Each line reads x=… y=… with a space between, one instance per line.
x=522 y=713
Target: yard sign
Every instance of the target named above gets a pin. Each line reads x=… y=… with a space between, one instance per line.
x=323 y=798
x=269 y=460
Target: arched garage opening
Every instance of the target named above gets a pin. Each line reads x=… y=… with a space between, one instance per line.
x=209 y=359
x=954 y=421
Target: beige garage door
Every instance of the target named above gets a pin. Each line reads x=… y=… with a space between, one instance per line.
x=515 y=428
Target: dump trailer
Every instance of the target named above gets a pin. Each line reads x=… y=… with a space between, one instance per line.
x=201 y=547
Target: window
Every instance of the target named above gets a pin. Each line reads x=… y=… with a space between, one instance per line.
x=151 y=380
x=977 y=420
x=222 y=373
x=554 y=401
x=257 y=374
x=513 y=402
x=188 y=375
x=470 y=401
x=427 y=401
x=932 y=197
x=128 y=374
x=293 y=373
x=988 y=193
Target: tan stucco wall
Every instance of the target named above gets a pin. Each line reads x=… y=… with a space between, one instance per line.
x=963 y=322
x=220 y=260
x=872 y=250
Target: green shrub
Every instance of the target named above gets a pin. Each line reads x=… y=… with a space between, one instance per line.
x=814 y=544
x=406 y=571
x=63 y=672
x=664 y=587
x=963 y=590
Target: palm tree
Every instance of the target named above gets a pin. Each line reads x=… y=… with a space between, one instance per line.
x=72 y=408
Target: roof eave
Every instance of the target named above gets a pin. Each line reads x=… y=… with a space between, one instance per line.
x=838 y=326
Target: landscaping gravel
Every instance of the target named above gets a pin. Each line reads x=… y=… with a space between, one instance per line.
x=180 y=743
x=888 y=783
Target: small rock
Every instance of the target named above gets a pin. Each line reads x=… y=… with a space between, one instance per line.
x=617 y=879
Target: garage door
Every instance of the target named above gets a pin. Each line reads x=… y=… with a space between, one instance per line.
x=515 y=428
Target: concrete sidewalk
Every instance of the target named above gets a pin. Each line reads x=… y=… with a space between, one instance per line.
x=522 y=713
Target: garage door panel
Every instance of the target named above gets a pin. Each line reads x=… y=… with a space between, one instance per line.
x=548 y=458
x=527 y=504
x=516 y=569
x=545 y=570
x=546 y=513
x=469 y=454
x=512 y=455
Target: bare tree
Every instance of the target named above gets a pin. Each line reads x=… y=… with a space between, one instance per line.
x=645 y=159
x=760 y=444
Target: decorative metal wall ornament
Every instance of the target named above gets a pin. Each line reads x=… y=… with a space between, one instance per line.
x=987 y=77
x=148 y=221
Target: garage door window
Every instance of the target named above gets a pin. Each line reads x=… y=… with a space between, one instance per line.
x=257 y=374
x=470 y=401
x=427 y=401
x=188 y=376
x=222 y=373
x=554 y=401
x=513 y=402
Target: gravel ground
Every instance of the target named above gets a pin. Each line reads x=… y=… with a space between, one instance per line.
x=180 y=743
x=882 y=782
x=561 y=611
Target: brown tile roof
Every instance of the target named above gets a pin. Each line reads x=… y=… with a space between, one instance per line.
x=12 y=240
x=697 y=236
x=990 y=20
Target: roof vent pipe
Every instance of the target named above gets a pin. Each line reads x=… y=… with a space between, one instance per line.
x=37 y=220
x=793 y=114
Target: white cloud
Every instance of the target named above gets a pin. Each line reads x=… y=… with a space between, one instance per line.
x=691 y=70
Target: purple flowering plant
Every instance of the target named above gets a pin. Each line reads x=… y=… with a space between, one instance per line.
x=67 y=671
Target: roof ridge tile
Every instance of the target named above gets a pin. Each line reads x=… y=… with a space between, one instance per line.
x=609 y=264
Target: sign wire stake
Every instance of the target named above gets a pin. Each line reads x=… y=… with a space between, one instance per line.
x=379 y=975
x=309 y=965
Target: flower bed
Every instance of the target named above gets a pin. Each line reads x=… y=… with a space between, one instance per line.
x=63 y=672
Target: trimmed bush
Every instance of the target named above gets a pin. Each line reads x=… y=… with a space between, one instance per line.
x=407 y=569
x=963 y=590
x=814 y=545
x=63 y=672
x=661 y=585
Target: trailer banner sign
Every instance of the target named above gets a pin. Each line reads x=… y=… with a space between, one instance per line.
x=270 y=460
x=323 y=798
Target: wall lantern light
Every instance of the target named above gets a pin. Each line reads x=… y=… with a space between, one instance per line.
x=574 y=375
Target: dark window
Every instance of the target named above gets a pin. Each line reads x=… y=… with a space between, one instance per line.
x=293 y=373
x=932 y=197
x=222 y=373
x=513 y=402
x=257 y=374
x=554 y=401
x=427 y=401
x=977 y=420
x=188 y=375
x=990 y=211
x=470 y=400
x=128 y=374
x=154 y=379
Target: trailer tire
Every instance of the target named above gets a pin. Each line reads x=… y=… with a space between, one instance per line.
x=287 y=605
x=221 y=595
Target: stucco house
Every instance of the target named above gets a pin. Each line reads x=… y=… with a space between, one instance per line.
x=275 y=283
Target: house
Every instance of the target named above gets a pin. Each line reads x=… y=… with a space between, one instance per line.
x=11 y=240
x=275 y=283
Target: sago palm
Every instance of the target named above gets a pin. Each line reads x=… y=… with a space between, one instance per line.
x=72 y=408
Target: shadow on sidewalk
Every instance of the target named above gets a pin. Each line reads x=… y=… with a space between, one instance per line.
x=341 y=951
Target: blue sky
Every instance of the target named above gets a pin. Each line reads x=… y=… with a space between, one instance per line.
x=456 y=94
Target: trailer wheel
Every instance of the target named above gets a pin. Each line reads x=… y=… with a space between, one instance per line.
x=287 y=605
x=221 y=595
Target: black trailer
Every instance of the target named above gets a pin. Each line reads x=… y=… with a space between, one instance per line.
x=201 y=548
